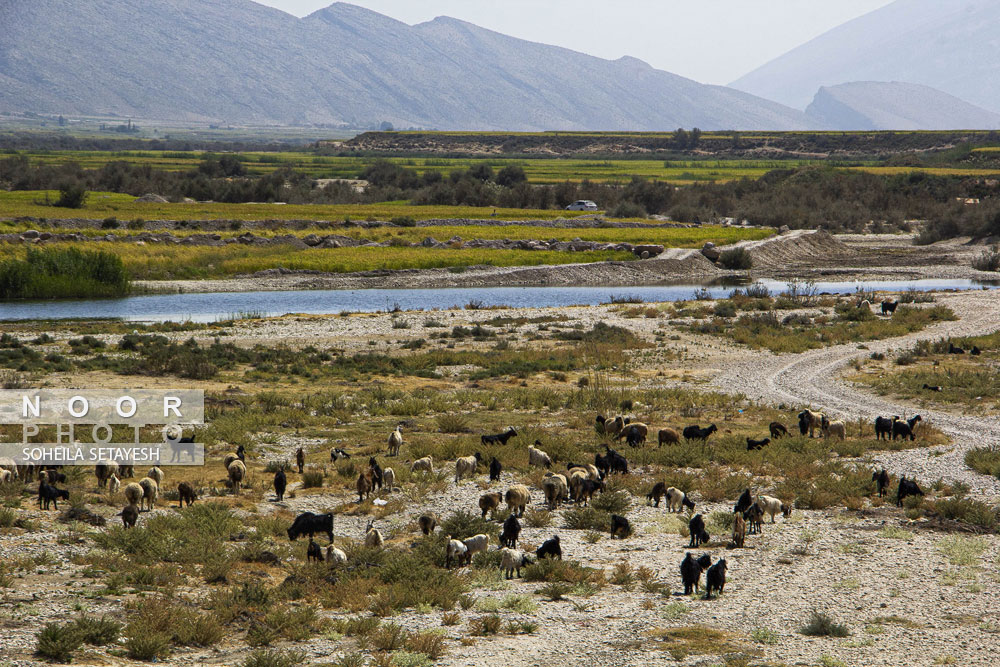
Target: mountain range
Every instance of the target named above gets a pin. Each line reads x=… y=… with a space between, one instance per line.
x=235 y=61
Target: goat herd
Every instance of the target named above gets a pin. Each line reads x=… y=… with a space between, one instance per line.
x=578 y=484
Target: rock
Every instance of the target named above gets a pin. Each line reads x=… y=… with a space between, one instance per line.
x=710 y=251
x=644 y=254
x=311 y=240
x=784 y=229
x=29 y=234
x=647 y=250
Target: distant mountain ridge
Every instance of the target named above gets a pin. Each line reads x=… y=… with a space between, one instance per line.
x=237 y=61
x=951 y=45
x=880 y=105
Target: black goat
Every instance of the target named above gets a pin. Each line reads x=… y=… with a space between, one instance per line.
x=691 y=569
x=376 y=471
x=308 y=523
x=499 y=438
x=904 y=429
x=659 y=490
x=889 y=307
x=49 y=494
x=337 y=453
x=55 y=477
x=495 y=469
x=586 y=489
x=777 y=430
x=697 y=433
x=907 y=487
x=602 y=465
x=803 y=423
x=715 y=578
x=757 y=444
x=975 y=351
x=754 y=516
x=511 y=531
x=696 y=526
x=620 y=527
x=883 y=427
x=300 y=459
x=954 y=349
x=550 y=548
x=241 y=453
x=280 y=484
x=881 y=479
x=130 y=514
x=743 y=502
x=935 y=387
x=313 y=552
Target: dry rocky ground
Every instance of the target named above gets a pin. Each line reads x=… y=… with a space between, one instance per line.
x=907 y=593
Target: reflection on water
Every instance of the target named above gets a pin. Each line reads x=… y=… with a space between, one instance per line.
x=209 y=307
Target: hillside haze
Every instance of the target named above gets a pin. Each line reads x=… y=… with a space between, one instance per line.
x=952 y=46
x=237 y=61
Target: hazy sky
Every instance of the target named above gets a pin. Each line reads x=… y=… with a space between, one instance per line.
x=712 y=41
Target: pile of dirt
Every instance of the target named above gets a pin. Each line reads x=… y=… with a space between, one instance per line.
x=151 y=198
x=797 y=249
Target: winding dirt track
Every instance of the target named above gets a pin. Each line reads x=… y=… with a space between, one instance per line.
x=813 y=378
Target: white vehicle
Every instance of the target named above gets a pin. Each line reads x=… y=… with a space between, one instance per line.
x=582 y=205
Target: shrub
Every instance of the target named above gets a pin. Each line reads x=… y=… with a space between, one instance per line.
x=97 y=631
x=269 y=658
x=821 y=625
x=724 y=309
x=147 y=646
x=627 y=209
x=57 y=642
x=452 y=423
x=736 y=259
x=312 y=479
x=587 y=518
x=71 y=195
x=429 y=643
x=63 y=272
x=987 y=260
x=404 y=221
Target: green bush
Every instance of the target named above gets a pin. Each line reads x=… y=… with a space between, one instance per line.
x=987 y=260
x=71 y=196
x=736 y=259
x=821 y=625
x=57 y=642
x=52 y=273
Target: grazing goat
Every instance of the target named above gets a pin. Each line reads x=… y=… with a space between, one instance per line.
x=455 y=549
x=498 y=438
x=313 y=552
x=395 y=441
x=620 y=527
x=889 y=307
x=466 y=465
x=512 y=560
x=743 y=502
x=428 y=521
x=614 y=461
x=953 y=349
x=495 y=469
x=695 y=432
x=308 y=523
x=337 y=453
x=585 y=490
x=550 y=549
x=536 y=457
x=936 y=387
x=777 y=430
x=614 y=426
x=228 y=459
x=555 y=488
x=677 y=500
x=185 y=494
x=280 y=484
x=907 y=487
x=103 y=471
x=127 y=469
x=511 y=531
x=489 y=502
x=474 y=545
x=157 y=474
x=517 y=497
x=49 y=494
x=771 y=505
x=133 y=493
x=757 y=444
x=905 y=429
x=696 y=526
x=425 y=464
x=634 y=434
x=237 y=473
x=373 y=537
x=691 y=569
x=754 y=516
x=389 y=479
x=715 y=578
x=113 y=484
x=130 y=514
x=883 y=427
x=811 y=420
x=6 y=476
x=837 y=428
x=335 y=555
x=151 y=491
x=300 y=459
x=881 y=479
x=667 y=436
x=739 y=530
x=975 y=351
